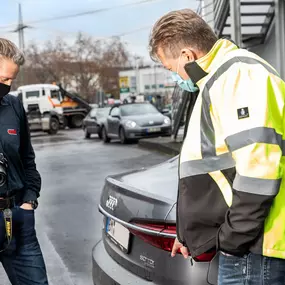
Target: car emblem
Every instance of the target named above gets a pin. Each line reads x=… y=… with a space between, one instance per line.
x=147 y=261
x=111 y=203
x=151 y=122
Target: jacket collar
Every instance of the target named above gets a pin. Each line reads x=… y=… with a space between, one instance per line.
x=200 y=68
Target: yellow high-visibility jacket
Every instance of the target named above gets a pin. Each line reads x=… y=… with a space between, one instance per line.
x=231 y=190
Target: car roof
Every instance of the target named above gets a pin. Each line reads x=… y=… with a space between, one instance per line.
x=33 y=87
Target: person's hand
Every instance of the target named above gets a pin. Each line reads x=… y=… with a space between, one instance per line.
x=178 y=245
x=27 y=206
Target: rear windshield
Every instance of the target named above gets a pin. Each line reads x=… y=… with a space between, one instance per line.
x=138 y=109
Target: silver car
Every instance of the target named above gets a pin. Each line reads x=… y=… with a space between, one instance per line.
x=135 y=121
x=139 y=228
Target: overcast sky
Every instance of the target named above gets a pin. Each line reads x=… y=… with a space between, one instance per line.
x=105 y=24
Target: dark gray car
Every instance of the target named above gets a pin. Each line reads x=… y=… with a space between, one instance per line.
x=139 y=228
x=135 y=121
x=94 y=121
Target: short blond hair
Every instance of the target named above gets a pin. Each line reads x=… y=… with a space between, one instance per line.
x=9 y=50
x=180 y=29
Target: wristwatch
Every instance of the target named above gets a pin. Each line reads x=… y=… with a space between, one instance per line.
x=34 y=204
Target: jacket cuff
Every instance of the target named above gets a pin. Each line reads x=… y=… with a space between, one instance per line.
x=181 y=241
x=30 y=196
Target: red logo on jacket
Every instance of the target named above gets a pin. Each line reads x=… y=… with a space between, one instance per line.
x=12 y=132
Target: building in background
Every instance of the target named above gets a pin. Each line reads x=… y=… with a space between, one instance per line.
x=145 y=83
x=257 y=25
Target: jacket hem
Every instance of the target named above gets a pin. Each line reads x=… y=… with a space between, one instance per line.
x=274 y=253
x=209 y=245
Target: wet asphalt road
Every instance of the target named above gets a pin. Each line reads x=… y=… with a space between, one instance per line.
x=68 y=223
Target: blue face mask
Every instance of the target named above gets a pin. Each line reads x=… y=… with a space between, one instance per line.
x=186 y=85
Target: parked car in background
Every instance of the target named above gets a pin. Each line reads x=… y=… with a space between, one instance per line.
x=135 y=121
x=94 y=121
x=139 y=228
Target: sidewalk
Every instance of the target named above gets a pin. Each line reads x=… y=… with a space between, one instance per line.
x=163 y=144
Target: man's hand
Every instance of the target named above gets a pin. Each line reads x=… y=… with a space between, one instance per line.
x=27 y=206
x=178 y=245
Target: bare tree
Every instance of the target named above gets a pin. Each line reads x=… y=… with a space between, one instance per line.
x=114 y=58
x=86 y=63
x=84 y=67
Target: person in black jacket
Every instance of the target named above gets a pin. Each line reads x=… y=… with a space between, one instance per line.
x=20 y=251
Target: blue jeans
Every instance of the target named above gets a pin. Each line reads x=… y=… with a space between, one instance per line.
x=252 y=269
x=22 y=260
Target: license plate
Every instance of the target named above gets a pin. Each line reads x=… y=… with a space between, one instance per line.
x=153 y=130
x=118 y=234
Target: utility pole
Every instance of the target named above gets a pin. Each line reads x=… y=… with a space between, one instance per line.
x=20 y=30
x=155 y=78
x=137 y=74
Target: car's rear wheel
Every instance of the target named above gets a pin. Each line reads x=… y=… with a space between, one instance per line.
x=122 y=136
x=87 y=135
x=105 y=137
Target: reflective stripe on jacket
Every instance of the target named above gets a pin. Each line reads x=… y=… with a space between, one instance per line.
x=231 y=191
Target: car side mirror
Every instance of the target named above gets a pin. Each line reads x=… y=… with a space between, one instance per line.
x=116 y=116
x=94 y=118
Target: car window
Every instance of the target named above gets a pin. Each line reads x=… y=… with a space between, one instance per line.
x=30 y=94
x=115 y=112
x=103 y=112
x=138 y=109
x=55 y=94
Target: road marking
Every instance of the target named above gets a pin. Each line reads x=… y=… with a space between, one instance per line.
x=57 y=271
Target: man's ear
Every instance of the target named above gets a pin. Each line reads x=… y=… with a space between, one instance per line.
x=188 y=54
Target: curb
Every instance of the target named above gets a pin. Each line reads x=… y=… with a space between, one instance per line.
x=170 y=148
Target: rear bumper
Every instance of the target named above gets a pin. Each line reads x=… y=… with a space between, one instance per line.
x=106 y=271
x=143 y=133
x=103 y=267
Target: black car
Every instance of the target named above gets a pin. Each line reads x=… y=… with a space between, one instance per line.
x=94 y=121
x=139 y=228
x=135 y=121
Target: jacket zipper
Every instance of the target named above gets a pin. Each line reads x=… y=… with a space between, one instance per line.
x=189 y=111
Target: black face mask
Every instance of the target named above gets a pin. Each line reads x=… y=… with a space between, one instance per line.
x=4 y=90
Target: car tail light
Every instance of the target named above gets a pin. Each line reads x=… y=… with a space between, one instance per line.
x=165 y=243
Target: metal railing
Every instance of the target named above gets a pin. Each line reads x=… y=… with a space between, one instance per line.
x=177 y=103
x=221 y=10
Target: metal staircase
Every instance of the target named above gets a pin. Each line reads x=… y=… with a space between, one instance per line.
x=256 y=20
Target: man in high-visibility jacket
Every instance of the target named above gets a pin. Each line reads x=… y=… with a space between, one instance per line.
x=231 y=187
